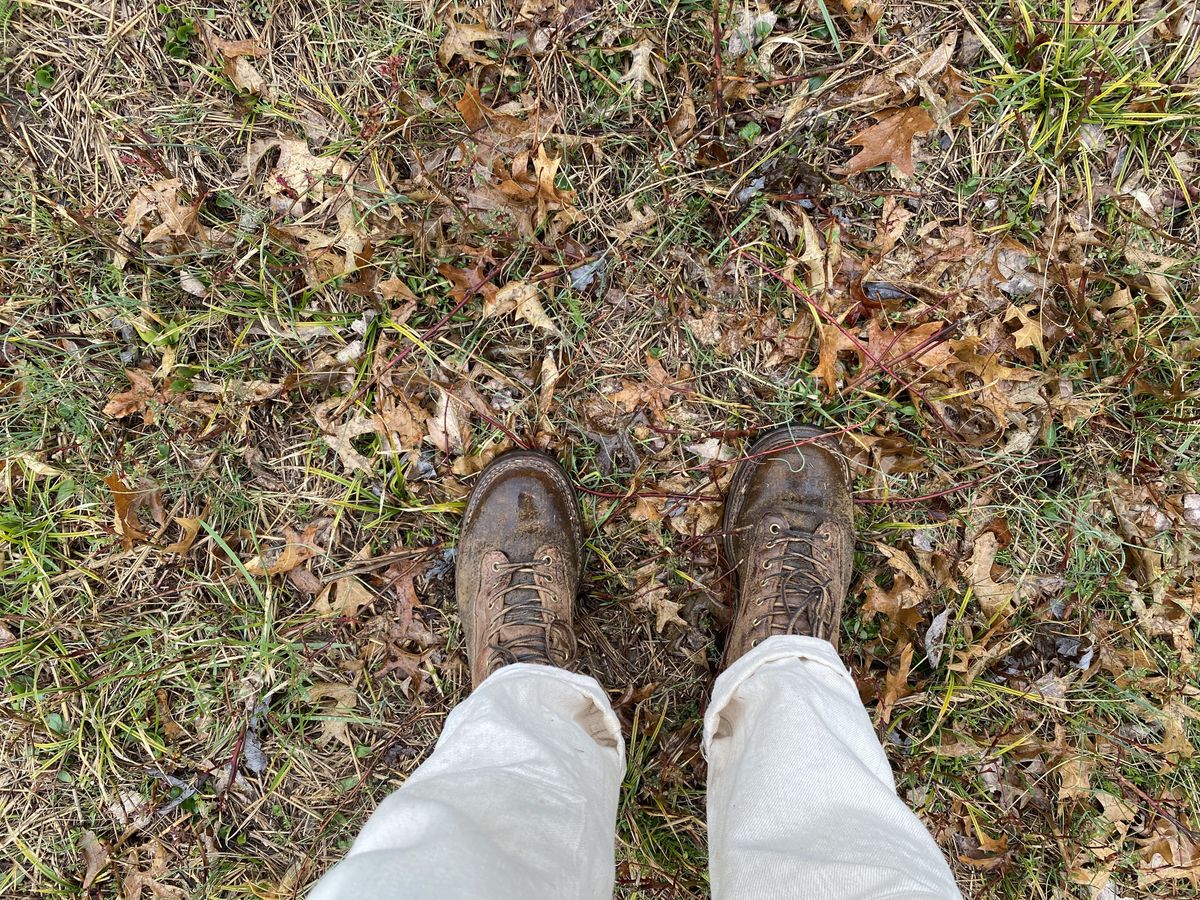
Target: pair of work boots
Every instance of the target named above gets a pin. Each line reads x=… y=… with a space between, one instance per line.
x=787 y=532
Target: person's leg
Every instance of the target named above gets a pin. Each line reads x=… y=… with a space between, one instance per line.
x=801 y=802
x=519 y=799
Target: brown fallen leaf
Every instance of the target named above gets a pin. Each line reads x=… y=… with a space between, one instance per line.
x=396 y=288
x=445 y=428
x=655 y=392
x=235 y=58
x=345 y=597
x=460 y=40
x=682 y=124
x=171 y=729
x=297 y=548
x=641 y=67
x=994 y=598
x=126 y=501
x=917 y=348
x=900 y=603
x=522 y=298
x=95 y=857
x=890 y=141
x=895 y=686
x=135 y=400
x=190 y=527
x=334 y=726
x=299 y=179
x=832 y=342
x=1029 y=334
x=156 y=213
x=639 y=220
x=135 y=882
x=655 y=599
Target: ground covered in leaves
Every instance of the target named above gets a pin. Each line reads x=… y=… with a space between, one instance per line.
x=278 y=280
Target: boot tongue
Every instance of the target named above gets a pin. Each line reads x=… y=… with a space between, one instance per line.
x=523 y=606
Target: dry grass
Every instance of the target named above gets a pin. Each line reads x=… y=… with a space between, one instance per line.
x=1017 y=371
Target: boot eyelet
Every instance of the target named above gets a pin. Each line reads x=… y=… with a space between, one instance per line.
x=546 y=560
x=775 y=529
x=766 y=565
x=495 y=566
x=762 y=582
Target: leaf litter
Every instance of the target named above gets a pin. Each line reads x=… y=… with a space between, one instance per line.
x=542 y=229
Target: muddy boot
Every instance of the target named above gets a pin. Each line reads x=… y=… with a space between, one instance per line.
x=789 y=538
x=517 y=571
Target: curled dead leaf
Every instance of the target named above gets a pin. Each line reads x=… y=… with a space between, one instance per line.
x=126 y=501
x=653 y=598
x=297 y=548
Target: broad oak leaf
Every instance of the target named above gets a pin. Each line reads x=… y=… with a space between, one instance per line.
x=890 y=141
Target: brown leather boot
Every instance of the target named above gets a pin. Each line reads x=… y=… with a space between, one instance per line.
x=789 y=536
x=517 y=572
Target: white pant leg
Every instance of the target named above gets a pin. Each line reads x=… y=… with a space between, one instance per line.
x=801 y=802
x=518 y=800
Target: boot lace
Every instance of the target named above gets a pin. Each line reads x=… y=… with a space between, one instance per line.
x=796 y=561
x=526 y=630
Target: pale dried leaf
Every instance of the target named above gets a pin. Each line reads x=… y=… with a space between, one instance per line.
x=994 y=598
x=334 y=726
x=641 y=67
x=95 y=857
x=460 y=40
x=444 y=427
x=753 y=28
x=343 y=598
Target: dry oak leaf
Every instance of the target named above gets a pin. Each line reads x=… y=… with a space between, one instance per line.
x=994 y=597
x=460 y=41
x=234 y=57
x=335 y=725
x=396 y=288
x=1029 y=334
x=298 y=178
x=523 y=299
x=297 y=548
x=920 y=346
x=899 y=603
x=156 y=212
x=137 y=399
x=466 y=283
x=135 y=882
x=95 y=857
x=654 y=598
x=833 y=340
x=895 y=686
x=654 y=392
x=189 y=527
x=445 y=428
x=345 y=597
x=890 y=141
x=126 y=501
x=639 y=221
x=641 y=67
